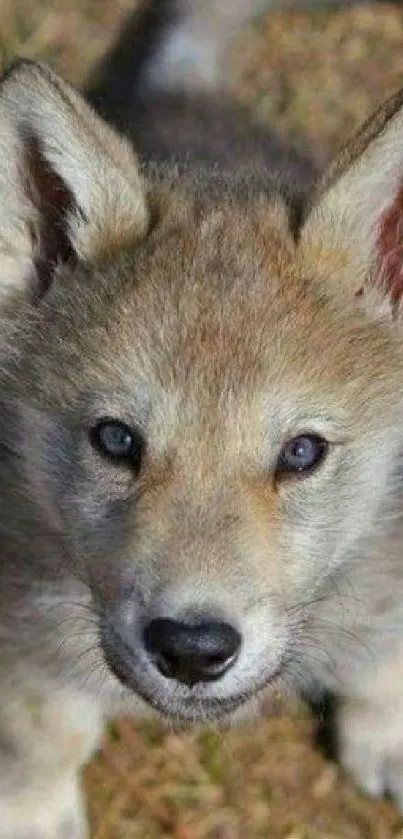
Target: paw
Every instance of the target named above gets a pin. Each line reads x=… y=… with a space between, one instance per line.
x=60 y=816
x=370 y=739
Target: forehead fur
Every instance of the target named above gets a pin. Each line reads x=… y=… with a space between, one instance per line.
x=215 y=301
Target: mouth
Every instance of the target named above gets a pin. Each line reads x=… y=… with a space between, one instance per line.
x=171 y=699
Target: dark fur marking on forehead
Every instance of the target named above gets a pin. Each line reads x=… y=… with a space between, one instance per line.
x=206 y=185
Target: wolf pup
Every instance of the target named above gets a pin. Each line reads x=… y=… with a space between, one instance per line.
x=201 y=435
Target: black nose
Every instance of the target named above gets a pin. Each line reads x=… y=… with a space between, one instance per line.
x=190 y=653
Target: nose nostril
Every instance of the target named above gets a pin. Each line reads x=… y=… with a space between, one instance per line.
x=164 y=663
x=191 y=653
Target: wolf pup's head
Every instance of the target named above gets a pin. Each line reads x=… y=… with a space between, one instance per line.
x=201 y=412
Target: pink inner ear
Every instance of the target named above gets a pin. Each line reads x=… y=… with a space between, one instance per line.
x=389 y=247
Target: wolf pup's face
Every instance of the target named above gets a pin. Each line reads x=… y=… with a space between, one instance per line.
x=205 y=414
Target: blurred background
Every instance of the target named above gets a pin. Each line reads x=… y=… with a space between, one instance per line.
x=316 y=75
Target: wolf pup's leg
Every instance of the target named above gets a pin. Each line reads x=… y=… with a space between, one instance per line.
x=43 y=743
x=370 y=734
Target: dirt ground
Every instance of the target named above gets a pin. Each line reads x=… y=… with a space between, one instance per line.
x=313 y=74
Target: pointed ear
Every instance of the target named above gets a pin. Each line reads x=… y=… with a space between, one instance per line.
x=356 y=221
x=69 y=186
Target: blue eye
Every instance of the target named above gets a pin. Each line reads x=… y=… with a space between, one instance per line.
x=302 y=455
x=115 y=440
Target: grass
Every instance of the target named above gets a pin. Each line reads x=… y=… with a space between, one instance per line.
x=264 y=783
x=315 y=75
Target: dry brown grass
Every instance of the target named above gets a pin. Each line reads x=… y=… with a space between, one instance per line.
x=264 y=783
x=319 y=75
x=72 y=34
x=316 y=74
